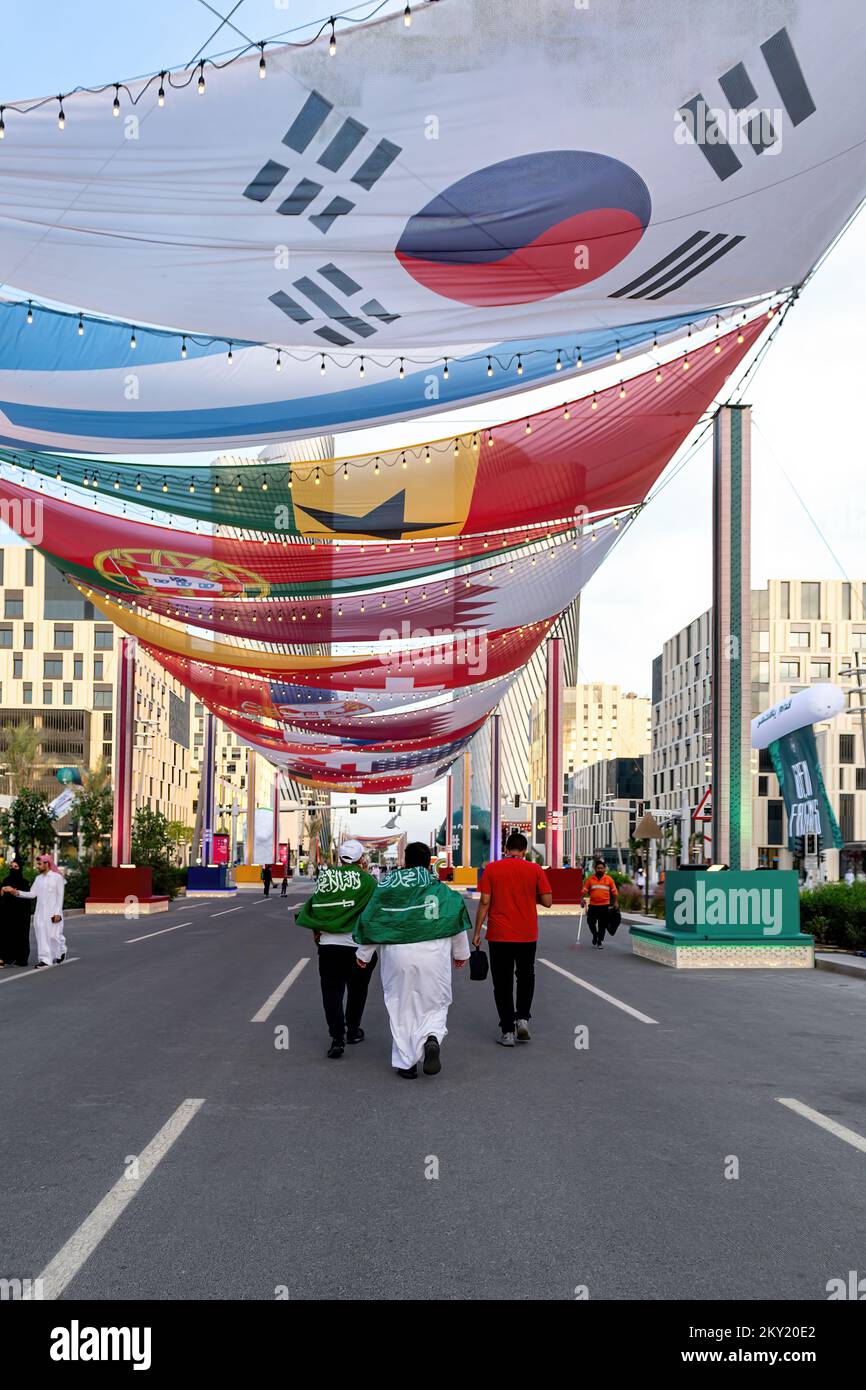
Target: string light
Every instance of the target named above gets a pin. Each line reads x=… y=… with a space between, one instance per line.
x=263 y=67
x=200 y=83
x=191 y=486
x=401 y=372
x=528 y=429
x=290 y=482
x=30 y=311
x=579 y=357
x=427 y=454
x=279 y=362
x=332 y=42
x=264 y=484
x=160 y=96
x=116 y=483
x=594 y=402
x=183 y=347
x=519 y=365
x=622 y=391
x=80 y=326
x=489 y=366
x=216 y=487
x=376 y=468
x=404 y=463
x=164 y=483
x=445 y=370
x=2 y=124
x=230 y=354
x=558 y=363
x=490 y=439
x=61 y=115
x=361 y=370
x=317 y=478
x=132 y=341
x=138 y=483
x=322 y=368
x=345 y=471
x=239 y=487
x=407 y=15
x=618 y=356
x=658 y=375
x=115 y=105
x=456 y=448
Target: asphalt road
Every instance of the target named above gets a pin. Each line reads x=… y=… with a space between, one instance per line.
x=558 y=1166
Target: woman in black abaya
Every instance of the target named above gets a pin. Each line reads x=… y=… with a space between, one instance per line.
x=15 y=914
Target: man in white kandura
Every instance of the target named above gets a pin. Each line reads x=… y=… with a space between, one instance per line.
x=419 y=926
x=48 y=888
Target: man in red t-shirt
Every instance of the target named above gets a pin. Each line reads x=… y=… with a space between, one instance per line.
x=510 y=889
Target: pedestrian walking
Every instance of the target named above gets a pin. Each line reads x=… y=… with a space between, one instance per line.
x=601 y=893
x=420 y=926
x=511 y=889
x=267 y=876
x=14 y=920
x=284 y=886
x=48 y=889
x=332 y=913
x=849 y=875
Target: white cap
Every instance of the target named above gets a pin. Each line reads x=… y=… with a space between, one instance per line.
x=351 y=851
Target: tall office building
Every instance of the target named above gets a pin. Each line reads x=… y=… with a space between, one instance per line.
x=803 y=631
x=600 y=721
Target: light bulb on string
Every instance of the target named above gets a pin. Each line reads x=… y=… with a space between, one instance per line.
x=264 y=485
x=80 y=326
x=132 y=340
x=322 y=368
x=345 y=471
x=401 y=372
x=231 y=357
x=239 y=487
x=618 y=353
x=427 y=454
x=622 y=391
x=594 y=402
x=376 y=468
x=216 y=487
x=489 y=366
x=30 y=311
x=138 y=483
x=407 y=15
x=115 y=105
x=528 y=429
x=318 y=478
x=200 y=83
x=658 y=375
x=519 y=365
x=116 y=483
x=183 y=347
x=445 y=369
x=160 y=96
x=403 y=460
x=290 y=481
x=191 y=486
x=2 y=124
x=263 y=67
x=279 y=362
x=61 y=115
x=361 y=368
x=558 y=363
x=456 y=448
x=332 y=42
x=490 y=439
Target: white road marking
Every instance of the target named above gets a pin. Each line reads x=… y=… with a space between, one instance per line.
x=25 y=971
x=270 y=1004
x=850 y=1136
x=130 y=940
x=617 y=1003
x=60 y=1271
x=225 y=912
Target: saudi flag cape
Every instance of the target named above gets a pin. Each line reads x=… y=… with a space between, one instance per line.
x=411 y=905
x=340 y=895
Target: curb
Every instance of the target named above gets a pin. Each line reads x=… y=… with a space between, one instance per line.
x=841 y=967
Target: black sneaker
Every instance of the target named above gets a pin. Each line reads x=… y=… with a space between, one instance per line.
x=409 y=1073
x=41 y=965
x=60 y=959
x=432 y=1064
x=355 y=1036
x=337 y=1047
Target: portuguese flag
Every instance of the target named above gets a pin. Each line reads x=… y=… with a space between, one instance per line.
x=411 y=905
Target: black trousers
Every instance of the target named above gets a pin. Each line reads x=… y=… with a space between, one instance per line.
x=15 y=931
x=596 y=920
x=343 y=980
x=267 y=883
x=507 y=960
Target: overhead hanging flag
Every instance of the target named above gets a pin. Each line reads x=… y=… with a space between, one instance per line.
x=597 y=451
x=481 y=176
x=798 y=768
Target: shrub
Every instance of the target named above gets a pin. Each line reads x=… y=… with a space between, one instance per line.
x=631 y=899
x=835 y=914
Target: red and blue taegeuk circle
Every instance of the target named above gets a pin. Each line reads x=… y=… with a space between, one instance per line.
x=527 y=228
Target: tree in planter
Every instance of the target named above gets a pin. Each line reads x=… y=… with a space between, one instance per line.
x=93 y=812
x=179 y=834
x=27 y=824
x=22 y=759
x=152 y=847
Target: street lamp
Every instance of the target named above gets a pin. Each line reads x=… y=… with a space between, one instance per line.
x=859 y=672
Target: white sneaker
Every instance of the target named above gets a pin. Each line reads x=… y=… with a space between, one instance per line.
x=523 y=1033
x=506 y=1039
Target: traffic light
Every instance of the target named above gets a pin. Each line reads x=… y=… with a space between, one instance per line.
x=423 y=803
x=392 y=804
x=516 y=801
x=353 y=806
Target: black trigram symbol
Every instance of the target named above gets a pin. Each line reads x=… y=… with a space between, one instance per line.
x=741 y=95
x=324 y=304
x=694 y=255
x=305 y=196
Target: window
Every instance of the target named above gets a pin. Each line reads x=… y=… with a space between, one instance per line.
x=763 y=672
x=53 y=667
x=28 y=694
x=789 y=670
x=810 y=600
x=107 y=725
x=28 y=567
x=820 y=670
x=763 y=642
x=17 y=667
x=785 y=599
x=103 y=638
x=14 y=604
x=858 y=640
x=98 y=664
x=106 y=752
x=765 y=762
x=846 y=748
x=763 y=786
x=824 y=639
x=28 y=637
x=799 y=638
x=67 y=694
x=846 y=816
x=102 y=697
x=62 y=637
x=48 y=694
x=860 y=779
x=774 y=822
x=77 y=667
x=6 y=635
x=846 y=600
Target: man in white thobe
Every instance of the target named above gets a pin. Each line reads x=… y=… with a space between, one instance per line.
x=48 y=889
x=419 y=927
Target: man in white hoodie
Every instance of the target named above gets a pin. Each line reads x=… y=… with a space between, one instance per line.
x=48 y=888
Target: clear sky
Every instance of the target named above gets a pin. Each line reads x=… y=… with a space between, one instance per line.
x=807 y=396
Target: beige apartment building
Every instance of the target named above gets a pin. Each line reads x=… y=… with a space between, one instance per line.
x=803 y=632
x=599 y=722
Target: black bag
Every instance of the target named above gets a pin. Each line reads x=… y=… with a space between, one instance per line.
x=614 y=917
x=478 y=964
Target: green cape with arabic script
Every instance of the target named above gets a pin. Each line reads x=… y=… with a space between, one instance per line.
x=411 y=905
x=340 y=895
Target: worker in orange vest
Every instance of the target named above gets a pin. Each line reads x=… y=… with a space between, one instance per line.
x=599 y=890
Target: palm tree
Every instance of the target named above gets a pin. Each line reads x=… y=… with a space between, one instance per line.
x=22 y=758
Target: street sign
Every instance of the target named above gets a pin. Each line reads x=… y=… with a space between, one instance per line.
x=647 y=828
x=62 y=804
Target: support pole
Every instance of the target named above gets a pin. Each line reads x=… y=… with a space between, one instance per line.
x=555 y=698
x=207 y=794
x=276 y=854
x=495 y=789
x=251 y=807
x=467 y=811
x=124 y=735
x=732 y=638
x=449 y=819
